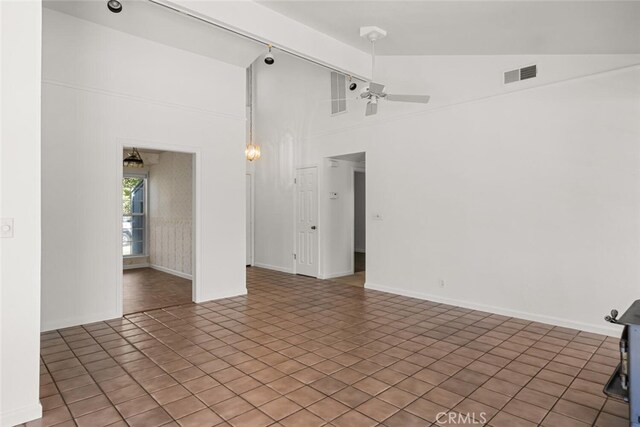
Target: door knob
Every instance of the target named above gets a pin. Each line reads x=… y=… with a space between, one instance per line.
x=313 y=227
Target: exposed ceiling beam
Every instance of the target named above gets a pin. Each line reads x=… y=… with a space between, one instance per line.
x=261 y=23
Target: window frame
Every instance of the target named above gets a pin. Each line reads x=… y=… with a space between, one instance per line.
x=144 y=215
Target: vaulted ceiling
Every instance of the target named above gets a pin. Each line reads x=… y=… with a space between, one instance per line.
x=476 y=27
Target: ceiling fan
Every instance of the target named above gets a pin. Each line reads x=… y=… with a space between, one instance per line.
x=375 y=91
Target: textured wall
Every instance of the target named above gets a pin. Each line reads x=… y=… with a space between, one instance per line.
x=171 y=212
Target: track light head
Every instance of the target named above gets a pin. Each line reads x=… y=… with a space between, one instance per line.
x=114 y=6
x=268 y=58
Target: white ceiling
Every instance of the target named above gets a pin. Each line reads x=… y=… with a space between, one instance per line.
x=476 y=27
x=150 y=21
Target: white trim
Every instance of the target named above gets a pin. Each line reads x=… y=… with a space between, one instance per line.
x=252 y=232
x=217 y=295
x=21 y=415
x=318 y=221
x=274 y=267
x=334 y=275
x=82 y=320
x=550 y=320
x=172 y=272
x=197 y=216
x=134 y=266
x=352 y=212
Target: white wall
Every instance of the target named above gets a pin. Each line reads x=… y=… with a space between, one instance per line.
x=21 y=31
x=360 y=216
x=103 y=89
x=170 y=213
x=523 y=199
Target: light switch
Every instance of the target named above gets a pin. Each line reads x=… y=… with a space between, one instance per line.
x=6 y=228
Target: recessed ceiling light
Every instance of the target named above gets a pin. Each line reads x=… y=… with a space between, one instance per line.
x=114 y=6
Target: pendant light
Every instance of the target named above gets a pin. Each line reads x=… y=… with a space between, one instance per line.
x=133 y=160
x=251 y=151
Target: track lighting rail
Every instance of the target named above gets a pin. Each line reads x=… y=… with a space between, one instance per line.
x=254 y=38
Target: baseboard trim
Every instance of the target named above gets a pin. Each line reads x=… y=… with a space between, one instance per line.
x=21 y=415
x=133 y=266
x=273 y=267
x=550 y=320
x=79 y=320
x=170 y=271
x=221 y=296
x=334 y=275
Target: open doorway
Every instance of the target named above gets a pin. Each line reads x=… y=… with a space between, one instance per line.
x=359 y=222
x=345 y=254
x=157 y=231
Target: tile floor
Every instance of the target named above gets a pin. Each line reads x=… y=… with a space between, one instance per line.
x=148 y=289
x=302 y=352
x=359 y=276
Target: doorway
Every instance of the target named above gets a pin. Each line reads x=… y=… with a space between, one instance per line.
x=157 y=230
x=345 y=237
x=359 y=221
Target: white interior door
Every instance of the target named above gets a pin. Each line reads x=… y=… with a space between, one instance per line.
x=307 y=221
x=249 y=221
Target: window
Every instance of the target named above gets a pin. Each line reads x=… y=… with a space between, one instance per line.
x=133 y=215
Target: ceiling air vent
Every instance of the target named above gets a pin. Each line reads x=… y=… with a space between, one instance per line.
x=338 y=93
x=520 y=74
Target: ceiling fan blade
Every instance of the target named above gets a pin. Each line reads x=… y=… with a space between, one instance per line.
x=372 y=108
x=423 y=99
x=376 y=87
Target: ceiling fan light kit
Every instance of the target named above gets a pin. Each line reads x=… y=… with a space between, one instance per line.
x=375 y=91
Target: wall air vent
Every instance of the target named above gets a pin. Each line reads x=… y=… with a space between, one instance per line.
x=338 y=93
x=520 y=74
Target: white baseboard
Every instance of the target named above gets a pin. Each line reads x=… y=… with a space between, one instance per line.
x=610 y=329
x=133 y=266
x=21 y=415
x=221 y=295
x=273 y=267
x=50 y=325
x=334 y=275
x=170 y=271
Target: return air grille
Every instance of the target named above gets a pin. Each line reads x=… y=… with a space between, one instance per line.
x=520 y=74
x=338 y=93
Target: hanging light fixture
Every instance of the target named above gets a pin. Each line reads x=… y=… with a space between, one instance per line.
x=251 y=151
x=133 y=160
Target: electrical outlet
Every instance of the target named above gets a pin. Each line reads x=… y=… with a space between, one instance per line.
x=442 y=283
x=6 y=228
